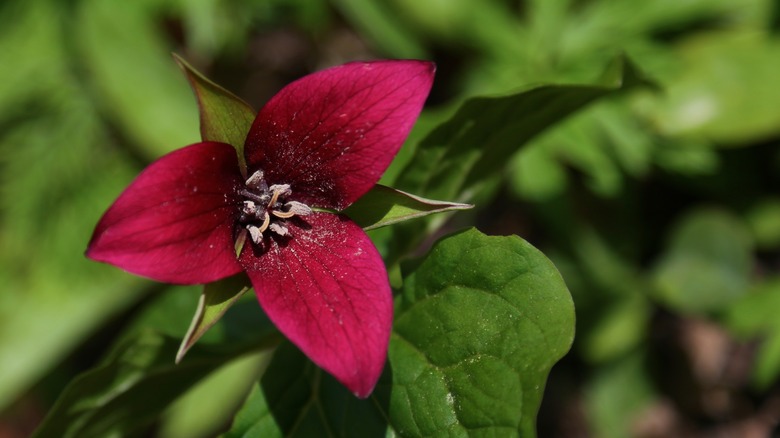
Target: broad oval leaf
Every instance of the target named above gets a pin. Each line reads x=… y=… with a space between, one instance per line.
x=383 y=206
x=479 y=323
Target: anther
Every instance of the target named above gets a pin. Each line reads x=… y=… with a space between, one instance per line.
x=278 y=190
x=255 y=234
x=279 y=229
x=298 y=208
x=257 y=182
x=250 y=208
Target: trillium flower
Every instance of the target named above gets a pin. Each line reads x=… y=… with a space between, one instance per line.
x=202 y=213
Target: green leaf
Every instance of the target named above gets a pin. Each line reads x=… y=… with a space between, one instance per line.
x=707 y=264
x=214 y=301
x=115 y=399
x=619 y=328
x=721 y=92
x=456 y=159
x=224 y=117
x=384 y=206
x=205 y=409
x=50 y=284
x=139 y=379
x=764 y=220
x=617 y=395
x=460 y=160
x=602 y=142
x=294 y=398
x=755 y=316
x=127 y=58
x=376 y=22
x=479 y=323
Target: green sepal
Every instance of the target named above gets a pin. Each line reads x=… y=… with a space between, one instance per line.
x=214 y=301
x=383 y=206
x=224 y=117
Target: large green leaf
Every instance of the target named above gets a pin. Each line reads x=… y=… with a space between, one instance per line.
x=457 y=159
x=479 y=323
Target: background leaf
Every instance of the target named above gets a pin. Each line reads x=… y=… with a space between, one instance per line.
x=113 y=397
x=138 y=85
x=707 y=264
x=89 y=95
x=54 y=159
x=755 y=316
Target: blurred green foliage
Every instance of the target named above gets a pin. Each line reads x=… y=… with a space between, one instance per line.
x=654 y=205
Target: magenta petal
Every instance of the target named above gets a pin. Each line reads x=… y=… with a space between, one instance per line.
x=327 y=290
x=174 y=223
x=332 y=134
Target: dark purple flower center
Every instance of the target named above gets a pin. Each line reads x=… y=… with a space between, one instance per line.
x=266 y=208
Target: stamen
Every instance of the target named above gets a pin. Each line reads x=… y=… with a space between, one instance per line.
x=278 y=190
x=266 y=221
x=283 y=189
x=264 y=208
x=262 y=199
x=298 y=208
x=283 y=214
x=250 y=208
